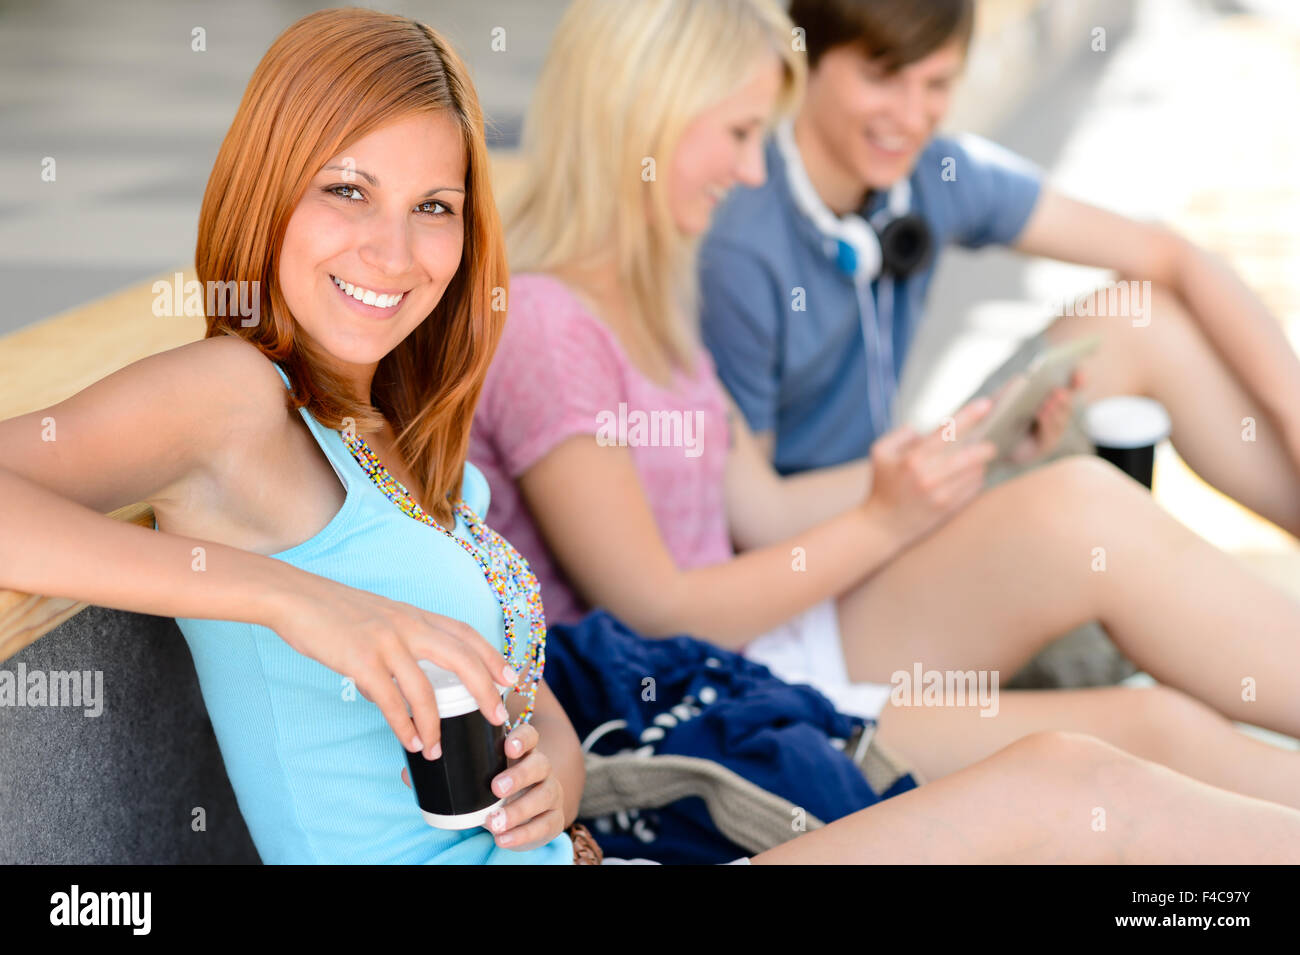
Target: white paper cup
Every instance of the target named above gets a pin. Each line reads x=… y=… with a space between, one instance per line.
x=454 y=791
x=1125 y=430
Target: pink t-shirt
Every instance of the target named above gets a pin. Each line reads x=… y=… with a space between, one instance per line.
x=559 y=371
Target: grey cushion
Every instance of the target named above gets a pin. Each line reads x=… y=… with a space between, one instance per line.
x=121 y=787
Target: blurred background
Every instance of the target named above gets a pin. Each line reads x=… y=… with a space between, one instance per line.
x=1186 y=114
x=1185 y=111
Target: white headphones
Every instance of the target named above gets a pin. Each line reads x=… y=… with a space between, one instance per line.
x=894 y=241
x=893 y=244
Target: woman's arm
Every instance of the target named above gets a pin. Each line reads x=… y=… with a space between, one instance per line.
x=1232 y=317
x=765 y=508
x=559 y=741
x=134 y=436
x=591 y=508
x=143 y=434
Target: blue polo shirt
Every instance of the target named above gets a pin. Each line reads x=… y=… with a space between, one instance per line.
x=802 y=373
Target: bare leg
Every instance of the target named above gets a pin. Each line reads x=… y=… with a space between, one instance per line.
x=1046 y=798
x=1063 y=544
x=1170 y=359
x=1158 y=723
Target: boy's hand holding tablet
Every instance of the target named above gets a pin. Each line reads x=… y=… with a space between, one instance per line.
x=919 y=482
x=1032 y=410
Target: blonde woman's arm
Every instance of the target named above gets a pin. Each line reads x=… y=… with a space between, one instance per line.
x=764 y=507
x=591 y=508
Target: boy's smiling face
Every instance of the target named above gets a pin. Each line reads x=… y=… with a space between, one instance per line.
x=873 y=123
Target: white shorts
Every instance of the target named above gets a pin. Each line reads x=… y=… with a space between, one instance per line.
x=807 y=649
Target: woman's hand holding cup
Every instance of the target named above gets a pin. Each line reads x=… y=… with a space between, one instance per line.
x=376 y=642
x=533 y=813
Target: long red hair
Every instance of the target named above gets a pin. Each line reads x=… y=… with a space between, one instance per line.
x=328 y=80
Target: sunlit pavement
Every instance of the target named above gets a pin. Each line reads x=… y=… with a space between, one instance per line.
x=1161 y=132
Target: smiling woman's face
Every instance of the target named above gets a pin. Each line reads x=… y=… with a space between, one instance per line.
x=376 y=238
x=723 y=145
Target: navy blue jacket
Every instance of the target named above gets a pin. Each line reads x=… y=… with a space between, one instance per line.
x=686 y=697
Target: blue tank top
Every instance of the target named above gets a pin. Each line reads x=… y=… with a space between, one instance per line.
x=314 y=766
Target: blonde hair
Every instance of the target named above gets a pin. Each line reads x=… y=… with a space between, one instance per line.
x=622 y=81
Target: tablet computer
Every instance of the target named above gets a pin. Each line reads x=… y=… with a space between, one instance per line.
x=1017 y=406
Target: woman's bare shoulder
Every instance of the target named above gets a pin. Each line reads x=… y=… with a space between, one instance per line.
x=241 y=375
x=226 y=387
x=140 y=433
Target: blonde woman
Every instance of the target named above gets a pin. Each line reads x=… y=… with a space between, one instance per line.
x=839 y=577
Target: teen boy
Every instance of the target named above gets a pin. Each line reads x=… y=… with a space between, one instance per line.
x=809 y=331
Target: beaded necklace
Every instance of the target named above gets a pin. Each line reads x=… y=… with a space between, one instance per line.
x=503 y=566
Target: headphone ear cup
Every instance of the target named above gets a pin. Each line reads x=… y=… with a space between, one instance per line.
x=905 y=244
x=859 y=234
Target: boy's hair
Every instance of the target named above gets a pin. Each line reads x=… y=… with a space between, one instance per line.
x=891 y=32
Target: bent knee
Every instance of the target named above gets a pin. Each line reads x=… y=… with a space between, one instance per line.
x=1068 y=763
x=1167 y=309
x=1077 y=491
x=1083 y=474
x=1162 y=704
x=1047 y=748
